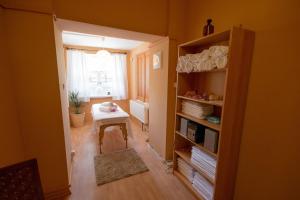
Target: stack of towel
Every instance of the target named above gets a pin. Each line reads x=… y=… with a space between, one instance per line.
x=185 y=169
x=204 y=162
x=197 y=110
x=203 y=187
x=209 y=59
x=108 y=107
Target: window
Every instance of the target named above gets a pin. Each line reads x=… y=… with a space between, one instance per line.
x=99 y=74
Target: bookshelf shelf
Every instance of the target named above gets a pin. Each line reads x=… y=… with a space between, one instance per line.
x=209 y=71
x=203 y=122
x=198 y=145
x=214 y=103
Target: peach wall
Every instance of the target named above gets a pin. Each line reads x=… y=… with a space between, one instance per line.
x=158 y=95
x=176 y=27
x=176 y=33
x=177 y=21
x=148 y=16
x=31 y=52
x=11 y=142
x=158 y=92
x=172 y=75
x=61 y=68
x=269 y=156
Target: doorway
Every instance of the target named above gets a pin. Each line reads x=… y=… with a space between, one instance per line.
x=142 y=84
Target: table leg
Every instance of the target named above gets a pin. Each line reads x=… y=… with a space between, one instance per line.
x=101 y=135
x=102 y=128
x=124 y=131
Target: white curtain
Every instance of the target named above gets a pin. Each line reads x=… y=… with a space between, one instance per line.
x=120 y=82
x=77 y=77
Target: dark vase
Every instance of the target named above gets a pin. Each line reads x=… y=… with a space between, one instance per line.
x=208 y=28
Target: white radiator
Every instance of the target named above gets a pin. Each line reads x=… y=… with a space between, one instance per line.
x=140 y=110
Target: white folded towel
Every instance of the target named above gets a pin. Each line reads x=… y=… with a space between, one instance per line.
x=208 y=59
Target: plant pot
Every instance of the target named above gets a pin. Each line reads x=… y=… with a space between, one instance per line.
x=77 y=120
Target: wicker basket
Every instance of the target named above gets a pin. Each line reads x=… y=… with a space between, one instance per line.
x=77 y=120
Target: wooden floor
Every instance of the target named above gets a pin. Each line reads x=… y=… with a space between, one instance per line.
x=155 y=184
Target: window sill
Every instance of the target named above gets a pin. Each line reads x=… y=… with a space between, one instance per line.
x=101 y=97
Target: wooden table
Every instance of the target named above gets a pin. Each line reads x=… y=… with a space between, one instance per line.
x=102 y=120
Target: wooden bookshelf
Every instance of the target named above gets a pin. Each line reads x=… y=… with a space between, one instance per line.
x=231 y=83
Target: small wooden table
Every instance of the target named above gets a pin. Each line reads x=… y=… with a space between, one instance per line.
x=103 y=127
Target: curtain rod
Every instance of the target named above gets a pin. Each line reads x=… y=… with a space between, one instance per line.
x=83 y=49
x=25 y=10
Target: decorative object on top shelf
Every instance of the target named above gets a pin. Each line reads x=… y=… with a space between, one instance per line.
x=208 y=28
x=214 y=97
x=193 y=94
x=76 y=115
x=157 y=60
x=209 y=59
x=204 y=96
x=215 y=103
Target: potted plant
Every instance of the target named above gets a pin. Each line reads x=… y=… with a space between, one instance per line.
x=76 y=115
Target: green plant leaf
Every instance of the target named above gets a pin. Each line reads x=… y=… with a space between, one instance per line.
x=74 y=101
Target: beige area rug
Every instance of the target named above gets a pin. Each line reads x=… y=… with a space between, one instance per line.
x=117 y=165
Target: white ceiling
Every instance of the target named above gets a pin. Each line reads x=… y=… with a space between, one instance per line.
x=81 y=39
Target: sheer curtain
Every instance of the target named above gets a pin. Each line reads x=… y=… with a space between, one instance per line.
x=78 y=73
x=77 y=77
x=120 y=82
